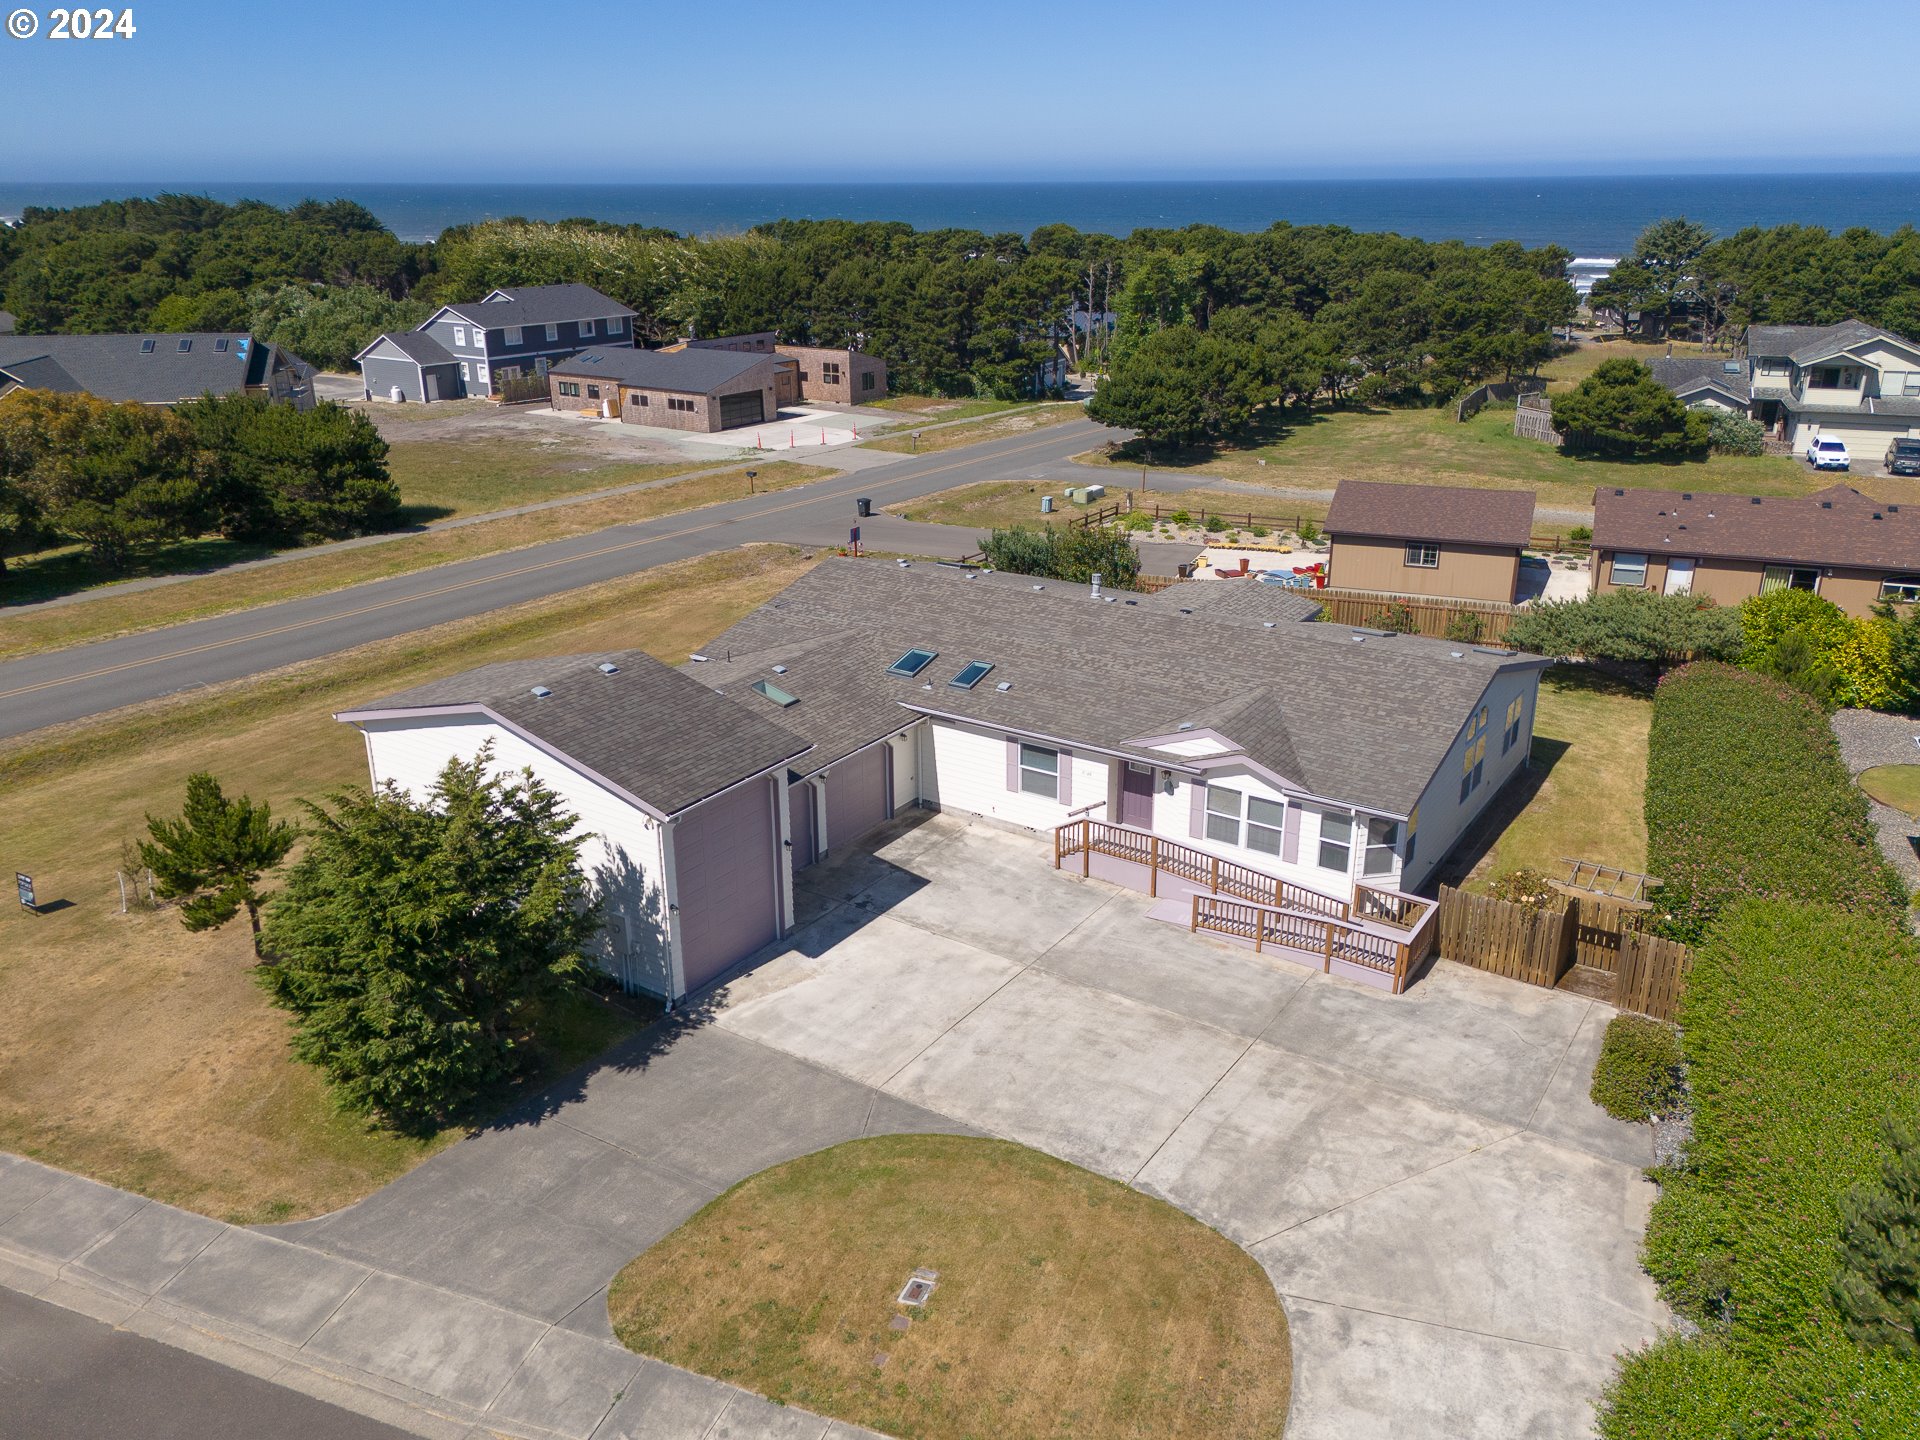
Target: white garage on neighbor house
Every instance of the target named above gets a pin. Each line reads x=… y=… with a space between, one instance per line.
x=681 y=795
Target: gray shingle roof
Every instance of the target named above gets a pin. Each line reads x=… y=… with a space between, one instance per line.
x=1804 y=344
x=698 y=372
x=1235 y=602
x=114 y=367
x=1364 y=722
x=1690 y=373
x=648 y=728
x=417 y=345
x=1892 y=405
x=1460 y=514
x=539 y=305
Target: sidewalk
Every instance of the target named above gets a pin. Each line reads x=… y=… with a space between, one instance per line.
x=414 y=1356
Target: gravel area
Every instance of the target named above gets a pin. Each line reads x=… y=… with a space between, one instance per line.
x=1868 y=738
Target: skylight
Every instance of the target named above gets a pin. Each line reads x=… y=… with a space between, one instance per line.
x=146 y=347
x=972 y=675
x=774 y=693
x=185 y=346
x=912 y=663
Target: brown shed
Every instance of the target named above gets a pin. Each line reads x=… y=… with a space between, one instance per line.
x=1449 y=542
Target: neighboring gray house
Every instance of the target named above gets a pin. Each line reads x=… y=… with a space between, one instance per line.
x=519 y=331
x=704 y=390
x=1323 y=768
x=1705 y=380
x=155 y=369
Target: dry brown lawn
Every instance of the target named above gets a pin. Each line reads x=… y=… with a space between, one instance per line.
x=145 y=1056
x=106 y=615
x=1067 y=1304
x=1002 y=503
x=972 y=432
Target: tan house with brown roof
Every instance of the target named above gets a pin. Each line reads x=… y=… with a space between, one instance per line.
x=1449 y=542
x=1853 y=550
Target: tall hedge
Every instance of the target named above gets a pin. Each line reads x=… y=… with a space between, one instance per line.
x=1799 y=1025
x=1747 y=796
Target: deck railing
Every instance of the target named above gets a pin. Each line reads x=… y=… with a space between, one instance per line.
x=1087 y=838
x=1311 y=935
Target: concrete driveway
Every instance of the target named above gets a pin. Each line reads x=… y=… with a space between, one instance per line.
x=1451 y=1224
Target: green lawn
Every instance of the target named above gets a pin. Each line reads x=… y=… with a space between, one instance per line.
x=1002 y=503
x=145 y=1056
x=1591 y=739
x=936 y=409
x=1067 y=1305
x=1895 y=785
x=1429 y=446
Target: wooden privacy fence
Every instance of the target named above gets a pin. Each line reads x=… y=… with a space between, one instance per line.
x=1428 y=617
x=1087 y=838
x=1540 y=945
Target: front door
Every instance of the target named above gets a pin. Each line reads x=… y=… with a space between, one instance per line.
x=1679 y=576
x=1136 y=796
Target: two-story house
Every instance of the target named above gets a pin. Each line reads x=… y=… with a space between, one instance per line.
x=1852 y=381
x=478 y=348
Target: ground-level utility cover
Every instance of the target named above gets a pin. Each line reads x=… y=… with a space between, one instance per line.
x=918 y=1288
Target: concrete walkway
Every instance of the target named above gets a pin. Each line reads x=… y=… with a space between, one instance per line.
x=1452 y=1226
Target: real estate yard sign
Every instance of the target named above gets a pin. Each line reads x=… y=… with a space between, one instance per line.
x=25 y=882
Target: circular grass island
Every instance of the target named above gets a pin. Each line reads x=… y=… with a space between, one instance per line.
x=1064 y=1304
x=1895 y=785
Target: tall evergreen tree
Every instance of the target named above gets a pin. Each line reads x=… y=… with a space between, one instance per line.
x=215 y=854
x=1878 y=1289
x=415 y=943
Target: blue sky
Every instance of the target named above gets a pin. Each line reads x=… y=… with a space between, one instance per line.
x=432 y=90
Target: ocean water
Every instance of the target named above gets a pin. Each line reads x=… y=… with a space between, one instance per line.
x=1591 y=216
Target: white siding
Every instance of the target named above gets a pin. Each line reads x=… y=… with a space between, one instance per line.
x=621 y=855
x=967 y=770
x=1173 y=819
x=906 y=766
x=1443 y=819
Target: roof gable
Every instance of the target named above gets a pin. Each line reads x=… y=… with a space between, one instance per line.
x=1460 y=515
x=1837 y=526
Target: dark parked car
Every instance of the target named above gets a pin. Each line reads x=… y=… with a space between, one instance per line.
x=1903 y=457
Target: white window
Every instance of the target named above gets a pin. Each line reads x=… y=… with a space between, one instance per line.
x=613 y=325
x=553 y=332
x=1423 y=554
x=1382 y=836
x=513 y=335
x=1336 y=842
x=1628 y=569
x=1472 y=766
x=1040 y=771
x=463 y=371
x=1266 y=820
x=1515 y=713
x=1223 y=815
x=480 y=373
x=1903 y=588
x=586 y=329
x=459 y=334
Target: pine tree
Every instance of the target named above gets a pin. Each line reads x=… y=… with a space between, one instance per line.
x=1878 y=1289
x=414 y=943
x=215 y=854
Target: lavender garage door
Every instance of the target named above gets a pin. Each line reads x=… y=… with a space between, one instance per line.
x=726 y=880
x=856 y=797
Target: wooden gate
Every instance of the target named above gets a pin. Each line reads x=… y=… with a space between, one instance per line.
x=1522 y=942
x=1539 y=946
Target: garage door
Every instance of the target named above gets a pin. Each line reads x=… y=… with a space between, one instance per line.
x=746 y=409
x=856 y=797
x=723 y=856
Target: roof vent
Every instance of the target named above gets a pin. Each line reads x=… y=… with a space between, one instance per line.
x=1893 y=509
x=1186 y=610
x=1133 y=602
x=1876 y=514
x=541 y=692
x=1753 y=499
x=779 y=669
x=1494 y=650
x=1004 y=686
x=698 y=657
x=1039 y=587
x=1268 y=624
x=1184 y=725
x=1361 y=632
x=1686 y=494
x=1458 y=654
x=903 y=564
x=607 y=667
x=1620 y=492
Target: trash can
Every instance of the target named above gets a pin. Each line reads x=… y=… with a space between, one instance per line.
x=1046 y=504
x=865 y=506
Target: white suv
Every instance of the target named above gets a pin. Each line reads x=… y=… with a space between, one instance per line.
x=1828 y=453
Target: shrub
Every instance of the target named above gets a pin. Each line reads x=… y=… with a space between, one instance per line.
x=1309 y=533
x=1631 y=626
x=1069 y=554
x=1581 y=534
x=1815 y=646
x=1525 y=887
x=1638 y=1073
x=1731 y=434
x=1620 y=409
x=1260 y=532
x=1136 y=520
x=1746 y=795
x=1878 y=1289
x=1181 y=517
x=1466 y=628
x=1396 y=616
x=1213 y=524
x=1798 y=1025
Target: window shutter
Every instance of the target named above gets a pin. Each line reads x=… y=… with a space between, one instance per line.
x=1064 y=794
x=1290 y=836
x=1013 y=764
x=1197 y=820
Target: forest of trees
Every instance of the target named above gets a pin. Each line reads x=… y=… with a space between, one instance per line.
x=1212 y=323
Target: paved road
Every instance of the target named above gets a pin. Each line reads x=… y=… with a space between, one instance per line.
x=66 y=1377
x=85 y=680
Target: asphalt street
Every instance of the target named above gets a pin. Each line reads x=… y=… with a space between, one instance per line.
x=83 y=680
x=66 y=1377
